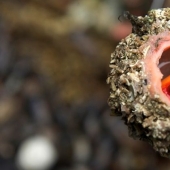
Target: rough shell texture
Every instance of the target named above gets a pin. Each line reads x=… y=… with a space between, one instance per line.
x=147 y=117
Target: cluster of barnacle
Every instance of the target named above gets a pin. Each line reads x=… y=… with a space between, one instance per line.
x=124 y=77
x=147 y=117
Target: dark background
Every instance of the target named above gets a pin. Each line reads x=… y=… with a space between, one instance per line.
x=54 y=62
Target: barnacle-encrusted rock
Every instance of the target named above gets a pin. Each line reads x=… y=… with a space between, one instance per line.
x=138 y=65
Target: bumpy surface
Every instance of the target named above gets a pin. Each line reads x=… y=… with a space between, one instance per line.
x=146 y=115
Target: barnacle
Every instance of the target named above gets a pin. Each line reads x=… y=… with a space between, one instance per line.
x=140 y=79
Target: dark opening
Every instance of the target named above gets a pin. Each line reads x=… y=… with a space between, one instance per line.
x=164 y=63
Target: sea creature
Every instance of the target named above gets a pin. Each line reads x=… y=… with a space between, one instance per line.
x=140 y=79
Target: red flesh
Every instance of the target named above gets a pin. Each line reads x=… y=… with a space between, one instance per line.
x=166 y=86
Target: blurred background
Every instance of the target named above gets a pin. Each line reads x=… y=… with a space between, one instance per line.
x=54 y=61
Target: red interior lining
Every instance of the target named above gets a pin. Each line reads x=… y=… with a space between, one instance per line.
x=164 y=65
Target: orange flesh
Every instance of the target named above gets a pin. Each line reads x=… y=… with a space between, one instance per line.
x=166 y=86
x=165 y=83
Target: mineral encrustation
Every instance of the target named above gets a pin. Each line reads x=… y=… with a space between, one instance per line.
x=139 y=66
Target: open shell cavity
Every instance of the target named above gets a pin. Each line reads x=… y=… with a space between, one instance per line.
x=135 y=90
